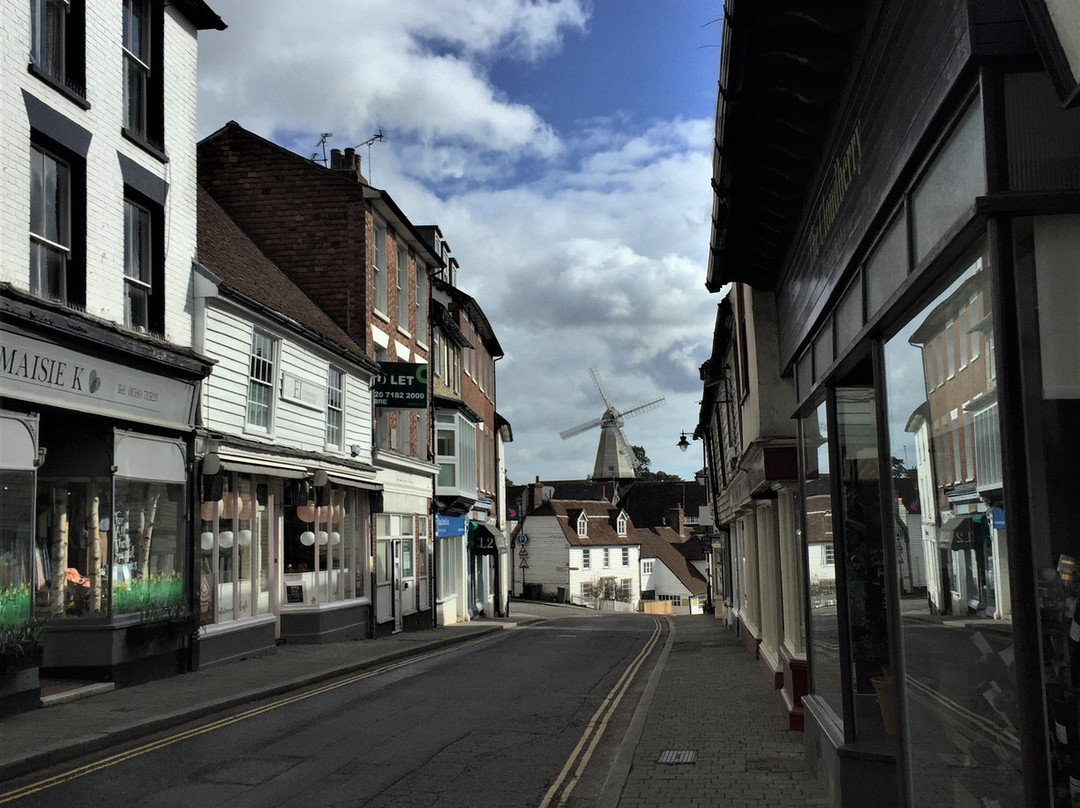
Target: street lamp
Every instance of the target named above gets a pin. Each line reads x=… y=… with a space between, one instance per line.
x=683 y=443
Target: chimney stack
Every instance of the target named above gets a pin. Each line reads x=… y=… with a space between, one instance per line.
x=537 y=494
x=347 y=163
x=676 y=519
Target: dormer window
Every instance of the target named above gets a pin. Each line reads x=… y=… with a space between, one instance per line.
x=620 y=525
x=583 y=525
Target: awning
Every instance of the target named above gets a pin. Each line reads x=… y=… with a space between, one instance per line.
x=966 y=531
x=484 y=540
x=270 y=471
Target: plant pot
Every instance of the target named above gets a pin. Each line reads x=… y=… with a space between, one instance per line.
x=20 y=685
x=883 y=687
x=12 y=662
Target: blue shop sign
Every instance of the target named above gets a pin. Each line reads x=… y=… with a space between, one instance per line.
x=998 y=517
x=449 y=525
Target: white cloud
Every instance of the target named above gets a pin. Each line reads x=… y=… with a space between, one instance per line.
x=346 y=67
x=585 y=249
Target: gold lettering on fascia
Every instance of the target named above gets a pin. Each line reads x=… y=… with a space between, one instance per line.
x=844 y=169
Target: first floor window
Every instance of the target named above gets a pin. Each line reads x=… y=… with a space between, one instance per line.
x=138 y=277
x=647 y=567
x=50 y=224
x=335 y=407
x=626 y=556
x=607 y=558
x=261 y=380
x=586 y=562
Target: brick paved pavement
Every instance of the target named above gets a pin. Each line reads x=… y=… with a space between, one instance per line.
x=714 y=699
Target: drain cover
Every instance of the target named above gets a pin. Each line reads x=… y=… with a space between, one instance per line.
x=672 y=756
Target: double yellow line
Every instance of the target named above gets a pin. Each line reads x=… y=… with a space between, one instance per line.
x=597 y=724
x=161 y=743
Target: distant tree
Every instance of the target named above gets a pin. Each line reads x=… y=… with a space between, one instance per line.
x=600 y=590
x=646 y=473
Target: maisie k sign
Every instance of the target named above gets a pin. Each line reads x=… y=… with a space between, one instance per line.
x=401 y=386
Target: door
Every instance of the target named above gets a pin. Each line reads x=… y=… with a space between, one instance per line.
x=399 y=585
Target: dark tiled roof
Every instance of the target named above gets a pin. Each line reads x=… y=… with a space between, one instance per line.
x=603 y=519
x=232 y=257
x=648 y=502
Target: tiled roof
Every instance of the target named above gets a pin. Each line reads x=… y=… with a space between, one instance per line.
x=655 y=544
x=648 y=501
x=233 y=258
x=603 y=520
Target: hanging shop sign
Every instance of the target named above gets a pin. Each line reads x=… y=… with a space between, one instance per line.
x=402 y=386
x=34 y=370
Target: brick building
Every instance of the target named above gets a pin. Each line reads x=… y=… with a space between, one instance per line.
x=352 y=251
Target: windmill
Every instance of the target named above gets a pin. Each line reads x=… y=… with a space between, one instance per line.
x=615 y=459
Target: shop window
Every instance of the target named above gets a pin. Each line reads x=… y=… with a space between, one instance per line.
x=261 y=376
x=956 y=538
x=862 y=552
x=58 y=45
x=110 y=544
x=20 y=573
x=824 y=628
x=319 y=553
x=234 y=552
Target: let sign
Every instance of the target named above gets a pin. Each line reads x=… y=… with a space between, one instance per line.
x=401 y=386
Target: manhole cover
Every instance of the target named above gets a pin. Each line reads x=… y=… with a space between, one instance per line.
x=672 y=756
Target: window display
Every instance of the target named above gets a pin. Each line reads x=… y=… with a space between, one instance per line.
x=959 y=671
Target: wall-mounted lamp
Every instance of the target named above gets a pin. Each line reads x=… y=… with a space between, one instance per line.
x=683 y=443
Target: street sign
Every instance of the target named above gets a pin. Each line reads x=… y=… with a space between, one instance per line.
x=522 y=538
x=524 y=564
x=523 y=553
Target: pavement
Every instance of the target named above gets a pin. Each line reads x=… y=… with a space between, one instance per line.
x=707 y=701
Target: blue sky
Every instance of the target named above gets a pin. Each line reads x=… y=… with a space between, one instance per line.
x=564 y=149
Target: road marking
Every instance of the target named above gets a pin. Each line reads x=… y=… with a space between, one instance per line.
x=161 y=743
x=597 y=725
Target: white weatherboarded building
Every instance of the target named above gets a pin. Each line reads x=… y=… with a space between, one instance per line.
x=284 y=442
x=577 y=550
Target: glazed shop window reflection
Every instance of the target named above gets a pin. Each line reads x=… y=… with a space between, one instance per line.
x=234 y=553
x=76 y=561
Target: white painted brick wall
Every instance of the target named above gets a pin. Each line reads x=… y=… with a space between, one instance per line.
x=105 y=195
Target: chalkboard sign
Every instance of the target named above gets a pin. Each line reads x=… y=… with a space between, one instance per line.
x=294 y=593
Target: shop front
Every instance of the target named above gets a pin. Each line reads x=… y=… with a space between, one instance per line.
x=96 y=436
x=284 y=543
x=925 y=282
x=935 y=359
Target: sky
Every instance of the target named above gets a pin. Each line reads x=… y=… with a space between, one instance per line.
x=564 y=149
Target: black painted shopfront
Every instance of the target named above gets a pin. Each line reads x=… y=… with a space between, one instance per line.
x=96 y=426
x=926 y=279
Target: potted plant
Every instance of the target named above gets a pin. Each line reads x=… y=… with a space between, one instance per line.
x=20 y=652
